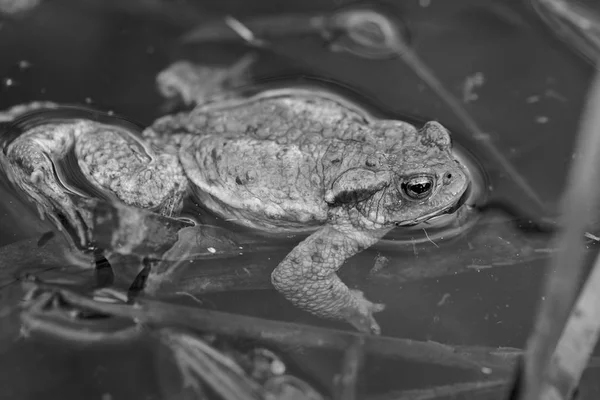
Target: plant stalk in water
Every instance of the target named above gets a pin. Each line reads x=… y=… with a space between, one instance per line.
x=567 y=266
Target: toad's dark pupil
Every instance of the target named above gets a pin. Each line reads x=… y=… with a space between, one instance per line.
x=420 y=188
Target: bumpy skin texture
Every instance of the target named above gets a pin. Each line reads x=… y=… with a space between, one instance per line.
x=282 y=161
x=291 y=161
x=112 y=161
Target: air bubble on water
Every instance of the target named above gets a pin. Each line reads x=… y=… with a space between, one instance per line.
x=88 y=100
x=211 y=250
x=24 y=64
x=8 y=82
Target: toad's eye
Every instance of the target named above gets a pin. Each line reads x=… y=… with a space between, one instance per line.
x=418 y=188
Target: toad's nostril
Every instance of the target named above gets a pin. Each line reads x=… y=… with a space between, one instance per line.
x=447 y=178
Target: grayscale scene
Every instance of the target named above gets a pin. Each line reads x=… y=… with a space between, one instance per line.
x=299 y=200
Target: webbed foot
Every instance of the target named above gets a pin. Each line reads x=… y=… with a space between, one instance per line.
x=360 y=313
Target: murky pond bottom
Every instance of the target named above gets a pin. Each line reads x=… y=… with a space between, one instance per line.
x=475 y=284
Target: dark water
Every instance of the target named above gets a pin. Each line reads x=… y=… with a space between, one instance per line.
x=529 y=104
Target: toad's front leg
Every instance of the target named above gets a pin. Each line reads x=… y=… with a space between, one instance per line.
x=307 y=276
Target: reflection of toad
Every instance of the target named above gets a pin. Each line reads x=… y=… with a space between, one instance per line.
x=289 y=161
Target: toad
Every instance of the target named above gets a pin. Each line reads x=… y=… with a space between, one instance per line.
x=286 y=161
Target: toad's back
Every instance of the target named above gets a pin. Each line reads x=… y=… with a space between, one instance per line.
x=260 y=162
x=264 y=162
x=258 y=183
x=274 y=115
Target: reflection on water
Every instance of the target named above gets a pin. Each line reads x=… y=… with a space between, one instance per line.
x=476 y=284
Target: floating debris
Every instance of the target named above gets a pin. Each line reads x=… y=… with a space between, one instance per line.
x=196 y=84
x=472 y=82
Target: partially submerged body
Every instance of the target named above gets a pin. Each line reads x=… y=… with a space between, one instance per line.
x=282 y=161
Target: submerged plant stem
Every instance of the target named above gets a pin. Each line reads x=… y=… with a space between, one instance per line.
x=567 y=265
x=158 y=314
x=577 y=341
x=346 y=382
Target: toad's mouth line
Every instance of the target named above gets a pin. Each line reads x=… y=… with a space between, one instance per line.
x=446 y=210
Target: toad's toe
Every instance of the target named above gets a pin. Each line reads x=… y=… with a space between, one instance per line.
x=360 y=315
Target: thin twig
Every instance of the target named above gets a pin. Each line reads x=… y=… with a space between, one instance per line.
x=346 y=382
x=198 y=361
x=290 y=335
x=574 y=22
x=155 y=313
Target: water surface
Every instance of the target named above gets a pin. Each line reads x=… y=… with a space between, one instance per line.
x=528 y=103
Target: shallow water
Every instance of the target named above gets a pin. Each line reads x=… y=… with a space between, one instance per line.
x=528 y=103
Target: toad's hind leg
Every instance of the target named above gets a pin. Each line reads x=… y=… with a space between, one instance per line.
x=129 y=168
x=307 y=276
x=27 y=163
x=113 y=165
